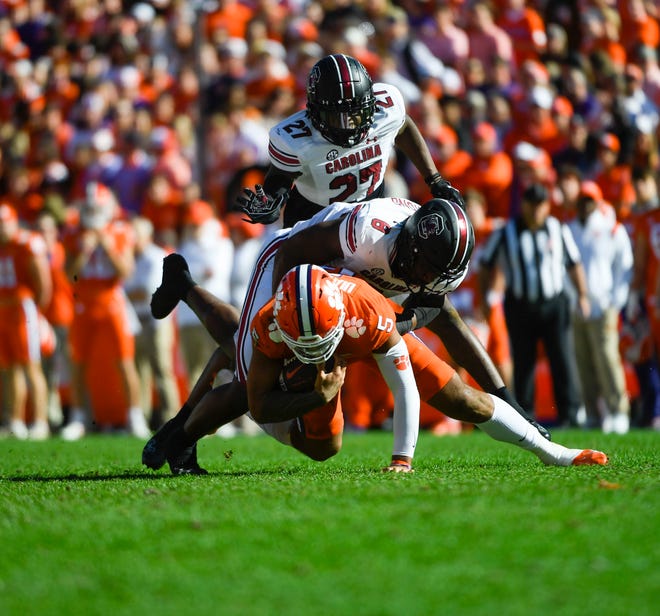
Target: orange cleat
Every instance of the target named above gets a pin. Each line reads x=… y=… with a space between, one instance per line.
x=589 y=457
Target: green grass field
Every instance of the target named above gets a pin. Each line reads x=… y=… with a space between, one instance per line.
x=480 y=528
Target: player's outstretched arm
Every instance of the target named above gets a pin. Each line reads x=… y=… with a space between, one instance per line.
x=318 y=245
x=411 y=142
x=264 y=204
x=394 y=364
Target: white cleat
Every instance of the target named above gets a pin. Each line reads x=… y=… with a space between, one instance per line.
x=18 y=429
x=621 y=423
x=39 y=431
x=137 y=424
x=73 y=431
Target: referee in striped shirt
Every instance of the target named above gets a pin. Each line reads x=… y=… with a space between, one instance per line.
x=534 y=251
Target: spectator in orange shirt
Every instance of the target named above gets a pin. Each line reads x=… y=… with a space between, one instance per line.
x=229 y=19
x=601 y=28
x=22 y=193
x=638 y=25
x=491 y=172
x=614 y=178
x=526 y=29
x=12 y=47
x=539 y=127
x=99 y=256
x=268 y=72
x=25 y=287
x=163 y=206
x=451 y=161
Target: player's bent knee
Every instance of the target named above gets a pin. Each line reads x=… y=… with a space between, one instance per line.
x=318 y=450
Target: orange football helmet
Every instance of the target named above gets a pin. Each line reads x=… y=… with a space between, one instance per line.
x=309 y=313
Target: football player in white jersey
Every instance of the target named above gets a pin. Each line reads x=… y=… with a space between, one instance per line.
x=337 y=149
x=428 y=245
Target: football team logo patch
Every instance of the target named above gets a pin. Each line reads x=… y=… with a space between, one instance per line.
x=402 y=362
x=354 y=327
x=429 y=225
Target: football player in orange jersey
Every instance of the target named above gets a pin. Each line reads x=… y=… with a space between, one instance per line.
x=25 y=287
x=450 y=254
x=317 y=316
x=99 y=257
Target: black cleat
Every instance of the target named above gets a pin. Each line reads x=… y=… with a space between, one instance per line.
x=173 y=287
x=544 y=433
x=154 y=454
x=185 y=462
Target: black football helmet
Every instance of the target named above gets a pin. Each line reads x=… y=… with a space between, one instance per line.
x=434 y=247
x=340 y=100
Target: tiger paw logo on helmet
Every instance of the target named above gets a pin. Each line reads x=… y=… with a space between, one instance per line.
x=335 y=298
x=274 y=333
x=354 y=327
x=277 y=304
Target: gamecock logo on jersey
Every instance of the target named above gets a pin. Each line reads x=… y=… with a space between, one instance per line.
x=430 y=225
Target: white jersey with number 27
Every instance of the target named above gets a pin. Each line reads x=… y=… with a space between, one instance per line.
x=328 y=173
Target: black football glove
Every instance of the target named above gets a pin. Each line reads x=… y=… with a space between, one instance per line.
x=423 y=306
x=260 y=207
x=442 y=189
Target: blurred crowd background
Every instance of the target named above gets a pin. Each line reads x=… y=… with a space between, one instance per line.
x=168 y=103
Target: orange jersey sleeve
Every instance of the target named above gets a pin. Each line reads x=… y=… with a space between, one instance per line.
x=16 y=258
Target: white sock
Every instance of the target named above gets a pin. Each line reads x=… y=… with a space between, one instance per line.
x=135 y=414
x=510 y=427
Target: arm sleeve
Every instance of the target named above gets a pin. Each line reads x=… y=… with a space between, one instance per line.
x=397 y=371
